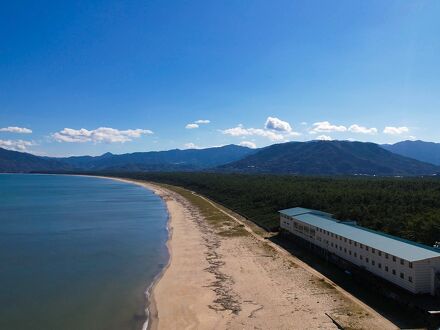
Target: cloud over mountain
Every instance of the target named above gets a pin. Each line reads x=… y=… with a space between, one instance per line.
x=325 y=127
x=277 y=124
x=274 y=129
x=395 y=130
x=101 y=134
x=248 y=144
x=16 y=145
x=361 y=129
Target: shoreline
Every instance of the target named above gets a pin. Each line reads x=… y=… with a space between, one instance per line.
x=224 y=275
x=151 y=311
x=150 y=308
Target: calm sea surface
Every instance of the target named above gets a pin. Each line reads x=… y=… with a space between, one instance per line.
x=77 y=253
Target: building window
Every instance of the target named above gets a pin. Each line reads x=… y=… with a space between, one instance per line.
x=336 y=245
x=379 y=265
x=373 y=262
x=349 y=252
x=366 y=248
x=349 y=242
x=361 y=246
x=402 y=276
x=373 y=250
x=355 y=244
x=340 y=238
x=386 y=268
x=331 y=244
x=394 y=258
x=410 y=265
x=366 y=260
x=345 y=240
x=394 y=272
x=355 y=254
x=410 y=279
x=379 y=253
x=340 y=248
x=345 y=250
x=386 y=255
x=402 y=262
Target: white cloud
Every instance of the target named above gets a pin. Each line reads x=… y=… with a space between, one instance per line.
x=361 y=129
x=274 y=129
x=16 y=145
x=325 y=126
x=15 y=129
x=395 y=130
x=248 y=144
x=241 y=131
x=304 y=123
x=324 y=138
x=101 y=134
x=277 y=124
x=202 y=121
x=197 y=123
x=191 y=145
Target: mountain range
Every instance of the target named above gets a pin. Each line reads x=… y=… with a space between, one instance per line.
x=299 y=158
x=424 y=151
x=171 y=160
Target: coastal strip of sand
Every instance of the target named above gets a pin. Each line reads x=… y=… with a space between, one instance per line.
x=224 y=275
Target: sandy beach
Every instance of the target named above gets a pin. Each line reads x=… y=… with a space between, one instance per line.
x=223 y=275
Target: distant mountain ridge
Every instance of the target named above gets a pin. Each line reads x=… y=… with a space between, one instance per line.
x=424 y=151
x=329 y=158
x=297 y=158
x=171 y=160
x=14 y=161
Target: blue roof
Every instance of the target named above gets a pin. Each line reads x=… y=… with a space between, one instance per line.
x=395 y=246
x=301 y=210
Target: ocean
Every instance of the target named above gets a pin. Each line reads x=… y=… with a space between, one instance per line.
x=77 y=253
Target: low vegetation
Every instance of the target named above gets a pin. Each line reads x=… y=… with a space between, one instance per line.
x=223 y=224
x=406 y=207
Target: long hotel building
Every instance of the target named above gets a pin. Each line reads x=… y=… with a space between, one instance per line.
x=412 y=266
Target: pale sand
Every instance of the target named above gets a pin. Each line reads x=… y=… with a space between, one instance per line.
x=244 y=282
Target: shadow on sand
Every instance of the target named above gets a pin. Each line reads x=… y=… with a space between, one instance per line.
x=406 y=310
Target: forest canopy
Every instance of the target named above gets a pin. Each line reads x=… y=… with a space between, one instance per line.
x=405 y=207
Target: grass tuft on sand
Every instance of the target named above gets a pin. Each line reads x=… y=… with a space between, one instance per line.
x=223 y=224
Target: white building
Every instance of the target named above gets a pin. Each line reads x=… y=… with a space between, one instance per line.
x=412 y=266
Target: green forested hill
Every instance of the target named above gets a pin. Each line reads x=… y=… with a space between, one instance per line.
x=409 y=208
x=329 y=158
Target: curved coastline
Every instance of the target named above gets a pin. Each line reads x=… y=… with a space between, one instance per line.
x=218 y=280
x=151 y=309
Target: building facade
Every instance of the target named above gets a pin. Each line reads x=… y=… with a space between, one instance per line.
x=412 y=266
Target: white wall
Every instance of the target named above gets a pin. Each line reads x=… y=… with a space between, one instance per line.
x=420 y=272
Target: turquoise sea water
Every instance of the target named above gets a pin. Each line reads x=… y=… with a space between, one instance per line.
x=77 y=252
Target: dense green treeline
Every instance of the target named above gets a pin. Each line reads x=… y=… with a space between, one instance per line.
x=409 y=208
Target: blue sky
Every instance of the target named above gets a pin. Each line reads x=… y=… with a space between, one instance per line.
x=87 y=77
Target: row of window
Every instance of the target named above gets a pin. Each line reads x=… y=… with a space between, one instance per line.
x=362 y=246
x=373 y=262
